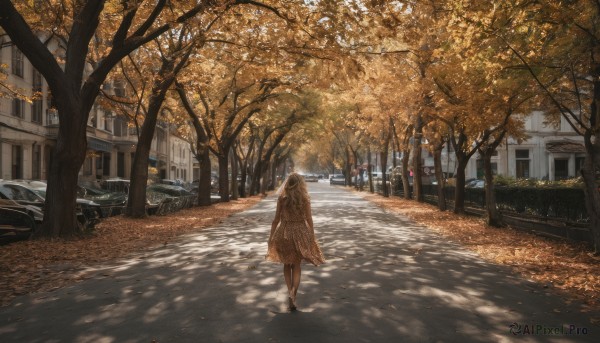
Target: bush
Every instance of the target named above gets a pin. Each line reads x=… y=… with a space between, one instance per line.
x=549 y=202
x=509 y=181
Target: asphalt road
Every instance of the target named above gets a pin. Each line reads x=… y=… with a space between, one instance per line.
x=385 y=280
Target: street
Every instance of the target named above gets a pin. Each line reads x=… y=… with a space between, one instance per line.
x=385 y=280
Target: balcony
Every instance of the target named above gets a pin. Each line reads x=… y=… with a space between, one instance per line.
x=52 y=117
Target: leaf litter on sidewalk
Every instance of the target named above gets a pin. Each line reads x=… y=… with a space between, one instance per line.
x=43 y=265
x=568 y=267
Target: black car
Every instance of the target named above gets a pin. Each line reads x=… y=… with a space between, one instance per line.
x=111 y=203
x=34 y=197
x=15 y=222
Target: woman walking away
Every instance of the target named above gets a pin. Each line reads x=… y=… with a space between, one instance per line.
x=292 y=236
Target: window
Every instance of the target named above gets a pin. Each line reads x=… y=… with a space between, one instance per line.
x=579 y=165
x=99 y=163
x=17 y=162
x=120 y=126
x=121 y=164
x=522 y=163
x=561 y=169
x=36 y=162
x=106 y=163
x=87 y=166
x=18 y=61
x=119 y=89
x=107 y=122
x=161 y=141
x=36 y=105
x=18 y=108
x=36 y=111
x=36 y=81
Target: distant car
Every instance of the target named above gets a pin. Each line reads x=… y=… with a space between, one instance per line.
x=311 y=178
x=475 y=184
x=337 y=179
x=214 y=185
x=163 y=198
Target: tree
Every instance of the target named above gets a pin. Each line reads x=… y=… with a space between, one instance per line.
x=178 y=48
x=86 y=31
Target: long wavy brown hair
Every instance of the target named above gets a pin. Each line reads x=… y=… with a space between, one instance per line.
x=294 y=192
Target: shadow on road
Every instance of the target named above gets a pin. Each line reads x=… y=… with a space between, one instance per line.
x=386 y=279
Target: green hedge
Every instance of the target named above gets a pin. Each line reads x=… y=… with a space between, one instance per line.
x=564 y=203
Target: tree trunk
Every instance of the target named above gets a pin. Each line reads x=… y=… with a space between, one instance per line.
x=417 y=165
x=202 y=152
x=348 y=167
x=384 y=158
x=255 y=184
x=439 y=176
x=243 y=179
x=234 y=172
x=223 y=159
x=405 y=180
x=589 y=172
x=264 y=177
x=273 y=182
x=494 y=217
x=459 y=190
x=67 y=158
x=204 y=183
x=136 y=201
x=591 y=166
x=370 y=171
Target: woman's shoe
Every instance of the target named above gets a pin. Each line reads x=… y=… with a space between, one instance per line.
x=292 y=301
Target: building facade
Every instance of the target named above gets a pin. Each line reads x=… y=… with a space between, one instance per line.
x=28 y=131
x=548 y=153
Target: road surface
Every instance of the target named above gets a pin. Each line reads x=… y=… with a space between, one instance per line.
x=386 y=280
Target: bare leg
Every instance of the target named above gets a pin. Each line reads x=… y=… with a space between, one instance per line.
x=296 y=273
x=287 y=274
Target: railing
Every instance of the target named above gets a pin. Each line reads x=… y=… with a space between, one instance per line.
x=556 y=212
x=52 y=117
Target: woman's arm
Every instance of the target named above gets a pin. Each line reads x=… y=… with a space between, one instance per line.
x=276 y=219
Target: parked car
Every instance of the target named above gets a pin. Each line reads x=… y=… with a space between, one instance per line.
x=163 y=198
x=311 y=178
x=111 y=203
x=32 y=211
x=176 y=182
x=15 y=222
x=475 y=183
x=24 y=193
x=169 y=189
x=117 y=185
x=21 y=194
x=337 y=179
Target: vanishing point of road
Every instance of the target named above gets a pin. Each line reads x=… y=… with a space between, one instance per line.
x=386 y=279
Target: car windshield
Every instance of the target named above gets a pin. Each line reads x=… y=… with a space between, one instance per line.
x=17 y=192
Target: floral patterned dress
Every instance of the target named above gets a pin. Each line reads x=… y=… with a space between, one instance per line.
x=293 y=241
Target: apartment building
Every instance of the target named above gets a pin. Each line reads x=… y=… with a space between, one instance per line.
x=28 y=132
x=548 y=153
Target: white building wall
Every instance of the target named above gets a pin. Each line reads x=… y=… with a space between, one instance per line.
x=23 y=132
